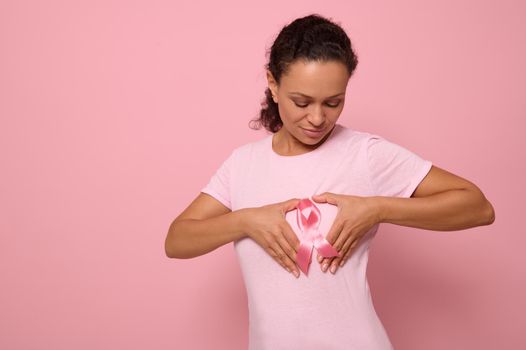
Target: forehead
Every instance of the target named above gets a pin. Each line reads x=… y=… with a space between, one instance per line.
x=316 y=79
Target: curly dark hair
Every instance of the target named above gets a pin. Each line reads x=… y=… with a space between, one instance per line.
x=310 y=38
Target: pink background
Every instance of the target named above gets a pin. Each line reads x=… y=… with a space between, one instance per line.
x=114 y=114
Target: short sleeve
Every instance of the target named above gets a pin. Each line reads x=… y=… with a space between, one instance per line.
x=394 y=170
x=219 y=184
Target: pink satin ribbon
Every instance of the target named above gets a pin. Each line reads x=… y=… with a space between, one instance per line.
x=309 y=218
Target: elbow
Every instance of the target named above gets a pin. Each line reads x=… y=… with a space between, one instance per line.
x=490 y=214
x=174 y=247
x=485 y=212
x=174 y=254
x=167 y=250
x=171 y=252
x=169 y=243
x=168 y=253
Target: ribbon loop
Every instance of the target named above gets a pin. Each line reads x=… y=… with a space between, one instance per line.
x=309 y=218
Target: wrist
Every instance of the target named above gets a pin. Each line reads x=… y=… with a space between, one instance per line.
x=241 y=220
x=378 y=205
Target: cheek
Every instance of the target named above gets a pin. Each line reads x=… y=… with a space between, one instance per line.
x=328 y=214
x=291 y=113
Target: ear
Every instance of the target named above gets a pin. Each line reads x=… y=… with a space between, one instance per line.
x=272 y=85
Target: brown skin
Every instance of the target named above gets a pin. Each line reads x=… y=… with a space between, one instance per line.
x=442 y=201
x=320 y=81
x=207 y=224
x=268 y=227
x=445 y=200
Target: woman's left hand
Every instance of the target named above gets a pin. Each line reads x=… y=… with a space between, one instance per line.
x=356 y=215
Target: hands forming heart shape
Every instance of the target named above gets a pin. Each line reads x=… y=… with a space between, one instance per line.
x=333 y=224
x=308 y=219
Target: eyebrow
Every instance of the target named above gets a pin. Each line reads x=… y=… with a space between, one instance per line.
x=299 y=93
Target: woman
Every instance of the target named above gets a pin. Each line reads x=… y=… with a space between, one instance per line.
x=355 y=180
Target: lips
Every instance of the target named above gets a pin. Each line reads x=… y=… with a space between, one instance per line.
x=314 y=134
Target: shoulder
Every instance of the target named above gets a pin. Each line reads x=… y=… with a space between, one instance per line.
x=242 y=154
x=369 y=145
x=368 y=141
x=252 y=148
x=356 y=139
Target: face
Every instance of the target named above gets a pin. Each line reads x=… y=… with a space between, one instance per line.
x=310 y=100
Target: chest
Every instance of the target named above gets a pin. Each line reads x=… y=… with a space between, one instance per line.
x=264 y=182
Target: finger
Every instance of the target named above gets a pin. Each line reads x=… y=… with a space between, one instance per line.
x=348 y=243
x=332 y=237
x=289 y=249
x=283 y=249
x=291 y=237
x=289 y=205
x=334 y=265
x=330 y=262
x=326 y=197
x=346 y=247
x=276 y=256
x=334 y=232
x=337 y=261
x=326 y=263
x=349 y=252
x=339 y=243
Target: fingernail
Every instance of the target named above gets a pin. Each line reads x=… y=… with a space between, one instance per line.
x=341 y=262
x=296 y=273
x=333 y=269
x=324 y=268
x=287 y=269
x=319 y=258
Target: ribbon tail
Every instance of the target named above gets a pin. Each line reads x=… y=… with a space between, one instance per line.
x=303 y=257
x=325 y=248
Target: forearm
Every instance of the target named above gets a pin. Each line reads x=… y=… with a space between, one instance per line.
x=444 y=211
x=189 y=238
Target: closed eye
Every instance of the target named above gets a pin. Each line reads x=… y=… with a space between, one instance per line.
x=328 y=104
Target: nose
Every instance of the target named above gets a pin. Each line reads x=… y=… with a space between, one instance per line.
x=317 y=117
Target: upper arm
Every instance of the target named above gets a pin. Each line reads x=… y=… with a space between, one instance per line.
x=204 y=206
x=439 y=180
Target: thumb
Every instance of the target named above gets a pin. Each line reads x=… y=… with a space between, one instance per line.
x=290 y=204
x=325 y=197
x=320 y=198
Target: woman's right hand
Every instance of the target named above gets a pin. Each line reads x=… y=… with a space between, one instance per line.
x=268 y=226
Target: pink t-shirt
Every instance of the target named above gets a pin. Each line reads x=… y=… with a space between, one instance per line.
x=318 y=310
